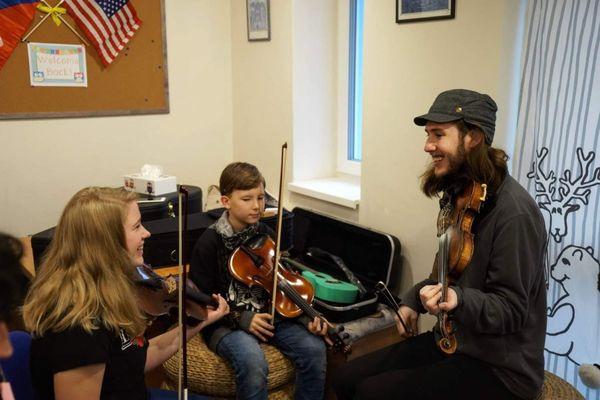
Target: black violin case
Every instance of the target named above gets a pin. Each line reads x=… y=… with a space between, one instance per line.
x=167 y=205
x=371 y=255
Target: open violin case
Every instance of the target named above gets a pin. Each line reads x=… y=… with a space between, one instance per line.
x=372 y=256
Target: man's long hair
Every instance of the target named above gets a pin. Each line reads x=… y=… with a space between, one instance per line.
x=484 y=164
x=85 y=278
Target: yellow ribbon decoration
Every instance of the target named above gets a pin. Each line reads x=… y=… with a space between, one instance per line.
x=53 y=11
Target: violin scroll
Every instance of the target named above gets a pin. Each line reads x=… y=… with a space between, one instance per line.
x=447 y=343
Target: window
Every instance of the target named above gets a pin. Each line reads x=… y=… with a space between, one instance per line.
x=355 y=70
x=350 y=138
x=323 y=168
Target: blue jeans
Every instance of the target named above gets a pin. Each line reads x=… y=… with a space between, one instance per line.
x=247 y=359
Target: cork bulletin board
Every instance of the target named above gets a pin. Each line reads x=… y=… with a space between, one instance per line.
x=135 y=83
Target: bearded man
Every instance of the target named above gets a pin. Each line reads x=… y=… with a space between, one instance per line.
x=497 y=306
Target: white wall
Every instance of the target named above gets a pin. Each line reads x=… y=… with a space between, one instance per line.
x=274 y=94
x=405 y=67
x=234 y=100
x=44 y=162
x=262 y=96
x=314 y=46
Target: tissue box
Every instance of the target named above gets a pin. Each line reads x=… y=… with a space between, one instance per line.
x=153 y=187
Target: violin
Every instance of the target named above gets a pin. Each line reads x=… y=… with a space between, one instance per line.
x=456 y=247
x=252 y=264
x=462 y=246
x=257 y=263
x=159 y=295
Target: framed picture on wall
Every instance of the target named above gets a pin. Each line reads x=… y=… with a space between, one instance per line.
x=423 y=10
x=259 y=24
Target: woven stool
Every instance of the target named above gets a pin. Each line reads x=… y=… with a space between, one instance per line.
x=555 y=388
x=210 y=375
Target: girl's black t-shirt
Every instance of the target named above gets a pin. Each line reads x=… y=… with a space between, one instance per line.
x=123 y=356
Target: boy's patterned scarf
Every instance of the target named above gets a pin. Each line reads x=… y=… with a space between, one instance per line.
x=233 y=240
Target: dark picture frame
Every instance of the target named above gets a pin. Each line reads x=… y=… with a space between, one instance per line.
x=424 y=10
x=258 y=13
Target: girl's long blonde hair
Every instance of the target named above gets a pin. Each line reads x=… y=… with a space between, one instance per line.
x=85 y=278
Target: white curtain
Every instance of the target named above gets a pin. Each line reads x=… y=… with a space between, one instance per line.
x=556 y=158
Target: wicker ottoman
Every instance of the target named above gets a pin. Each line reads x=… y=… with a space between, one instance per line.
x=211 y=375
x=555 y=388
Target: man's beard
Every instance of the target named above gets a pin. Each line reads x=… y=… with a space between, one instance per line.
x=456 y=176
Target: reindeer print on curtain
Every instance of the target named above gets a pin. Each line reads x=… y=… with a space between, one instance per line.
x=556 y=158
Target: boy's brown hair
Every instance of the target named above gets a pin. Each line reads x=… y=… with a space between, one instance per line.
x=240 y=176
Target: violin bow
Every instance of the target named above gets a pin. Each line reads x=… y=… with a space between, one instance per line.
x=279 y=225
x=383 y=289
x=182 y=387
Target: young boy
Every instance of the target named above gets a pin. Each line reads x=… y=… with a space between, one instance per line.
x=237 y=337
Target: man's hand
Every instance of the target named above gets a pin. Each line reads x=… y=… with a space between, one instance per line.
x=319 y=327
x=261 y=327
x=430 y=296
x=410 y=318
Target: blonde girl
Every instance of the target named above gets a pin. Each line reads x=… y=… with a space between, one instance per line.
x=87 y=327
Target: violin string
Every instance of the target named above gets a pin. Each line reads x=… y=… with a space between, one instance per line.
x=303 y=304
x=297 y=298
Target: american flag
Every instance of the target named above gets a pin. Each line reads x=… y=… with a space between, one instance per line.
x=108 y=24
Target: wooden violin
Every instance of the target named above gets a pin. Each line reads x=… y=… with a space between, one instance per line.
x=159 y=295
x=257 y=263
x=462 y=244
x=252 y=264
x=456 y=247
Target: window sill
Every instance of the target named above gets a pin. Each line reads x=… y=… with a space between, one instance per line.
x=343 y=190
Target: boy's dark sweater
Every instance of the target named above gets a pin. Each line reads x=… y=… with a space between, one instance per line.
x=209 y=271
